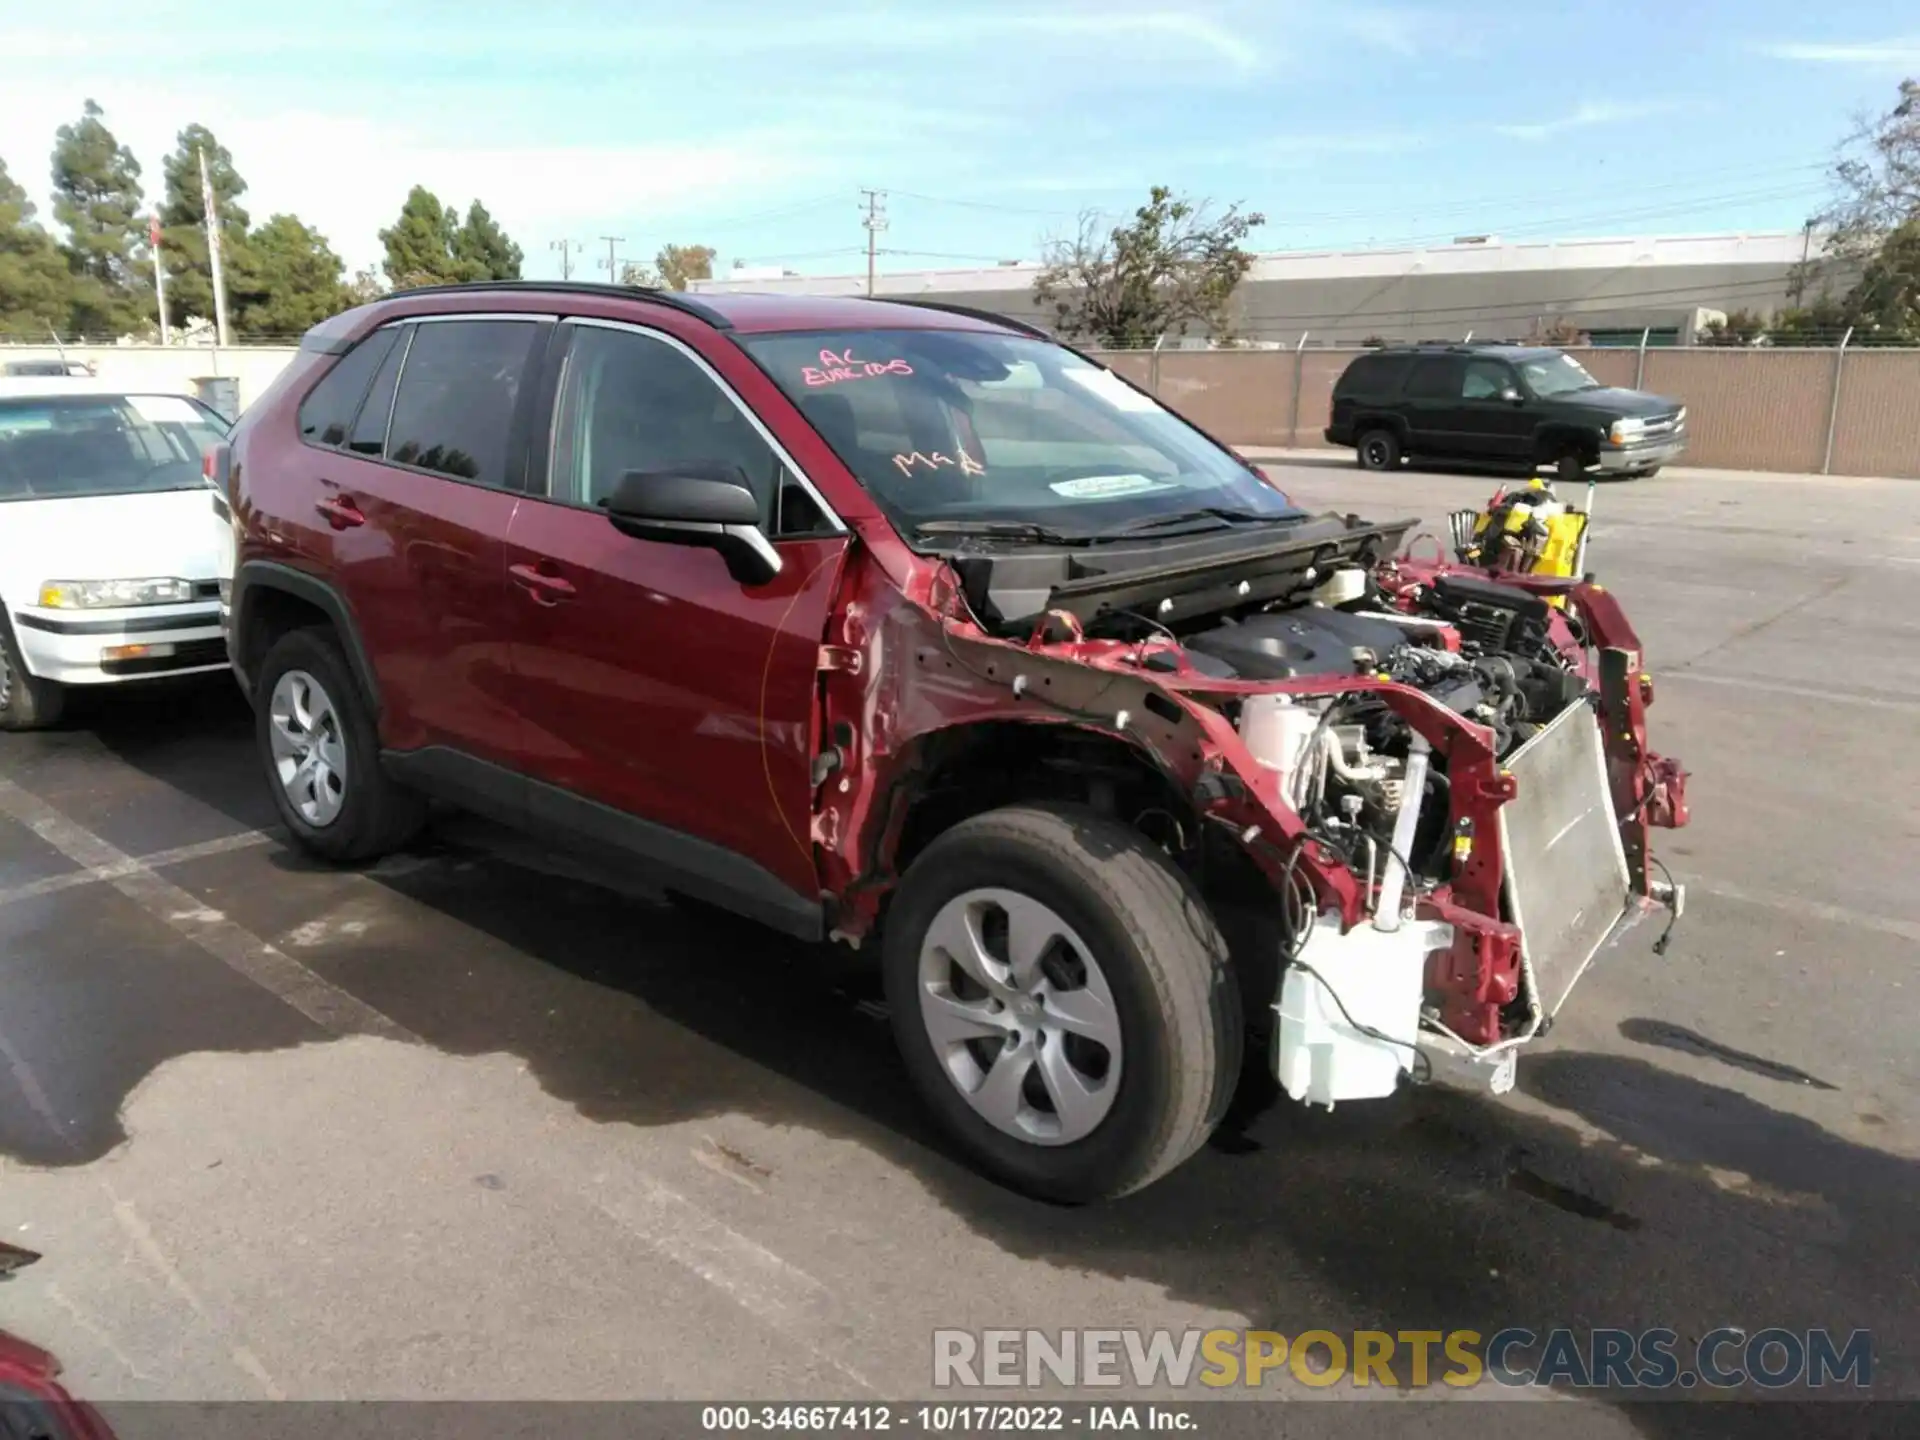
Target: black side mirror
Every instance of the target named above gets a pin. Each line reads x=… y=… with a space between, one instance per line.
x=693 y=504
x=1512 y=396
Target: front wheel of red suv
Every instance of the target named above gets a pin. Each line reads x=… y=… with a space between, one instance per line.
x=1063 y=1001
x=322 y=751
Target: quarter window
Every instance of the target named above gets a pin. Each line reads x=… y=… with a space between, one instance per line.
x=327 y=413
x=458 y=391
x=370 y=430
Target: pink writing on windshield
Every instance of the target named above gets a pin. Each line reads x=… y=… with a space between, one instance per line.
x=835 y=368
x=967 y=465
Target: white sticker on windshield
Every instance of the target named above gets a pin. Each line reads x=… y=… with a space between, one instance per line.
x=1112 y=389
x=1098 y=487
x=165 y=410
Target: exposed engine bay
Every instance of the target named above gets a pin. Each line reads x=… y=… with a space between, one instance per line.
x=1448 y=781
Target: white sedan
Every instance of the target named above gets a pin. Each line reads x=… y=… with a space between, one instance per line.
x=109 y=565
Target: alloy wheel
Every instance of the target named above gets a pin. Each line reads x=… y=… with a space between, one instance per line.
x=1020 y=1016
x=309 y=749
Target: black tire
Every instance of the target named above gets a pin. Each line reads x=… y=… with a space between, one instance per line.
x=26 y=701
x=1165 y=964
x=376 y=816
x=1571 y=469
x=1378 y=449
x=1646 y=474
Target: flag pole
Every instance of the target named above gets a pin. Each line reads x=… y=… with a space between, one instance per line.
x=159 y=275
x=213 y=259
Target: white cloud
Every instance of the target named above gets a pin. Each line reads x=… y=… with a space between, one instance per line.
x=1901 y=54
x=347 y=176
x=1584 y=117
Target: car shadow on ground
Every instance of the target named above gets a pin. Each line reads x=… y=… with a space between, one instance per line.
x=1705 y=1208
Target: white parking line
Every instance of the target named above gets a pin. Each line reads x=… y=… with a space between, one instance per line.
x=1799 y=692
x=776 y=1292
x=178 y=855
x=1807 y=909
x=322 y=1002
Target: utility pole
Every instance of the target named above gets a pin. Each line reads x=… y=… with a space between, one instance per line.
x=875 y=222
x=1806 y=250
x=213 y=257
x=566 y=249
x=159 y=274
x=613 y=273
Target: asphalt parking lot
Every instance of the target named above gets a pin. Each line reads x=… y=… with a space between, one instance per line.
x=477 y=1123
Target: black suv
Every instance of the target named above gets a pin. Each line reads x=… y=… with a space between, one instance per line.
x=1504 y=405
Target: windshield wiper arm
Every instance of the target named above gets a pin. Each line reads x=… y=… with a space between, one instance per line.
x=997 y=530
x=1221 y=515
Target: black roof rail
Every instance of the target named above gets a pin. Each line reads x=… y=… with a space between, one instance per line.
x=672 y=299
x=972 y=312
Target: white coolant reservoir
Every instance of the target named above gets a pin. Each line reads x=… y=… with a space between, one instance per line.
x=1276 y=729
x=1366 y=978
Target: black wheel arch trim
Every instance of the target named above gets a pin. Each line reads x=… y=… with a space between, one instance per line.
x=678 y=861
x=254 y=576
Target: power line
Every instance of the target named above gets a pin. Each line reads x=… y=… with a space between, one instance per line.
x=567 y=249
x=711 y=227
x=980 y=205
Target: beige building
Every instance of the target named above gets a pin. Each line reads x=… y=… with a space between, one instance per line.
x=1613 y=289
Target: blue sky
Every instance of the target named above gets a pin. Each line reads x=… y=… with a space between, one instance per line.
x=752 y=125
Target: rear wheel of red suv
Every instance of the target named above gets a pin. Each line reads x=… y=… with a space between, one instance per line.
x=1063 y=1001
x=317 y=736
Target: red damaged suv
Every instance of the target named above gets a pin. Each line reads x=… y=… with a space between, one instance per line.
x=904 y=626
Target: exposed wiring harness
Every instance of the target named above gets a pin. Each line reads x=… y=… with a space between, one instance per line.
x=1673 y=910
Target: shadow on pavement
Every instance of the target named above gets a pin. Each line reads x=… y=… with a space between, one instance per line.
x=1434 y=1211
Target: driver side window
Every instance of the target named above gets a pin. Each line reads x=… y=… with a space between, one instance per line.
x=1486 y=380
x=630 y=401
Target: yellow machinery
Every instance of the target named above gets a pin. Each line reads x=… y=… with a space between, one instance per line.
x=1529 y=531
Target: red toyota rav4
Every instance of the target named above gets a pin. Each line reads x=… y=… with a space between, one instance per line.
x=894 y=623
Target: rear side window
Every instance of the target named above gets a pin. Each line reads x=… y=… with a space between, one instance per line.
x=458 y=391
x=1375 y=375
x=1436 y=377
x=326 y=416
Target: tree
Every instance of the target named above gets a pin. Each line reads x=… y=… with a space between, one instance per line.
x=1741 y=327
x=1559 y=331
x=481 y=249
x=1876 y=179
x=679 y=265
x=420 y=243
x=365 y=287
x=1820 y=323
x=1173 y=267
x=1874 y=225
x=1884 y=307
x=293 y=282
x=36 y=287
x=183 y=226
x=96 y=197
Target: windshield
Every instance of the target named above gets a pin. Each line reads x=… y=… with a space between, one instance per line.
x=62 y=446
x=954 y=427
x=1557 y=375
